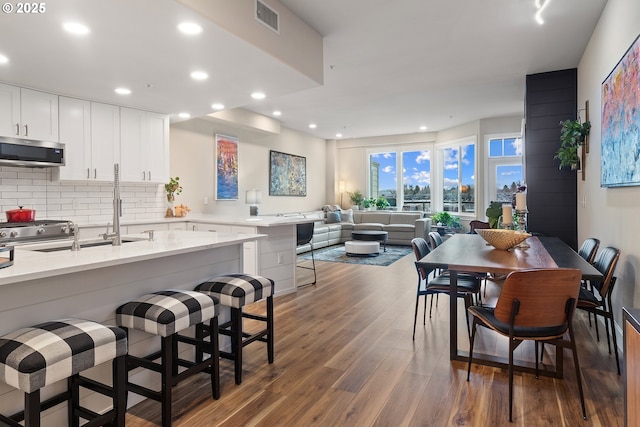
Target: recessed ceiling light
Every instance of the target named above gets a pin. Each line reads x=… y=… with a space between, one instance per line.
x=338 y=135
x=277 y=113
x=190 y=28
x=3 y=59
x=258 y=95
x=75 y=28
x=217 y=106
x=184 y=115
x=423 y=128
x=313 y=126
x=199 y=75
x=123 y=91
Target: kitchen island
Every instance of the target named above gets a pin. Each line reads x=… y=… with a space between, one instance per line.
x=273 y=257
x=93 y=282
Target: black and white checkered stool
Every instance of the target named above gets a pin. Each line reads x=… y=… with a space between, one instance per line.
x=166 y=313
x=34 y=357
x=236 y=291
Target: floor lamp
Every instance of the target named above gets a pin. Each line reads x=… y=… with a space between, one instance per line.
x=341 y=191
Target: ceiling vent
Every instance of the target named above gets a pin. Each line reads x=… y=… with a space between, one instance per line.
x=267 y=16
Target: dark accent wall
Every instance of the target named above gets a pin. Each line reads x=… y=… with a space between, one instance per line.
x=551 y=193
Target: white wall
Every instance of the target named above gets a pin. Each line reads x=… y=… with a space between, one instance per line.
x=352 y=153
x=193 y=155
x=609 y=214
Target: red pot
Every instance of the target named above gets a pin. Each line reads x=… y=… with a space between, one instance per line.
x=21 y=215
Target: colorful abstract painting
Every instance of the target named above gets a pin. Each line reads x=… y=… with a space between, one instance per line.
x=621 y=122
x=287 y=174
x=226 y=167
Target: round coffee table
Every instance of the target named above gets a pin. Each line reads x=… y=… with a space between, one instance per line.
x=371 y=236
x=355 y=247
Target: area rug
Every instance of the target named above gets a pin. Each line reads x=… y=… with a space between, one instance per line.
x=336 y=254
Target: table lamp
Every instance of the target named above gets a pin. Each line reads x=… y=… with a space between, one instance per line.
x=253 y=198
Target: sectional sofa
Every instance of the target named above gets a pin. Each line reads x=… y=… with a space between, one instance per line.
x=401 y=226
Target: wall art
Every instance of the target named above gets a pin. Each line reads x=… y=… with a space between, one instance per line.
x=287 y=174
x=226 y=167
x=620 y=143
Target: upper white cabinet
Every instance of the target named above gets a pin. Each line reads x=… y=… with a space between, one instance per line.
x=75 y=134
x=91 y=134
x=144 y=146
x=105 y=140
x=26 y=113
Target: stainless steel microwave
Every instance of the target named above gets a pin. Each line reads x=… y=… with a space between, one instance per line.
x=30 y=153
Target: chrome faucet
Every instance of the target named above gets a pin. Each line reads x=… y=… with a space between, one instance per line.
x=73 y=227
x=117 y=209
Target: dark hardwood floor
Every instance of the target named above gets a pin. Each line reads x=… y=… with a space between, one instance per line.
x=345 y=357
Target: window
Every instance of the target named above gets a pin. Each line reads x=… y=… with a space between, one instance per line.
x=416 y=180
x=382 y=176
x=505 y=167
x=458 y=178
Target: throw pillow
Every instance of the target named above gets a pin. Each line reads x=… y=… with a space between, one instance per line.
x=347 y=216
x=334 y=217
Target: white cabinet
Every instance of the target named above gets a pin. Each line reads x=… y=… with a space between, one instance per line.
x=144 y=145
x=90 y=132
x=75 y=134
x=26 y=113
x=197 y=226
x=105 y=138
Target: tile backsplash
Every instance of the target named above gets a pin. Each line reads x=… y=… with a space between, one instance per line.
x=82 y=202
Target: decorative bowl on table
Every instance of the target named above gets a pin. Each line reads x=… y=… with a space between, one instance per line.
x=502 y=239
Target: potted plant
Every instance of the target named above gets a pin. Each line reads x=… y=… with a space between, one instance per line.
x=494 y=212
x=173 y=188
x=369 y=203
x=356 y=198
x=382 y=203
x=445 y=219
x=572 y=136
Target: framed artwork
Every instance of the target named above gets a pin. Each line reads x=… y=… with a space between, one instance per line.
x=226 y=167
x=620 y=143
x=287 y=174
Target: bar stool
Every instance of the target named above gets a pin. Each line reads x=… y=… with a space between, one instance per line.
x=34 y=357
x=166 y=313
x=235 y=291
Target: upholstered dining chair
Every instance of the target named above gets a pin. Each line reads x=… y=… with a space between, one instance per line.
x=440 y=284
x=475 y=225
x=304 y=235
x=588 y=251
x=533 y=305
x=596 y=298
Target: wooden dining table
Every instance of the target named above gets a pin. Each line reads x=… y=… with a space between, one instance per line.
x=470 y=253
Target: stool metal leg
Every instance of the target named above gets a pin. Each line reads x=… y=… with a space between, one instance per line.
x=74 y=400
x=119 y=373
x=270 y=341
x=32 y=409
x=167 y=383
x=236 y=342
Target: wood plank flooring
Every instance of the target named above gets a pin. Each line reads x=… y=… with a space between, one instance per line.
x=345 y=357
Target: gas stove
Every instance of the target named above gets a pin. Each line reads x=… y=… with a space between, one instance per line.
x=13 y=232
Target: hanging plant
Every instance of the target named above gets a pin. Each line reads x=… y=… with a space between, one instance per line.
x=572 y=137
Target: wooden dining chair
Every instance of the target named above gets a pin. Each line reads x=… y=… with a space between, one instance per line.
x=476 y=224
x=534 y=305
x=440 y=284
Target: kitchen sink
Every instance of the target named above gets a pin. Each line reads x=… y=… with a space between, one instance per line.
x=66 y=246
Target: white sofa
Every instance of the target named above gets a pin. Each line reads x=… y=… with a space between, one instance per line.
x=401 y=226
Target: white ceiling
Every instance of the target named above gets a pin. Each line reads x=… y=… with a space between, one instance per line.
x=389 y=66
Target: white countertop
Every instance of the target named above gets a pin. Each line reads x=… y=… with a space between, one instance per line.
x=29 y=264
x=253 y=221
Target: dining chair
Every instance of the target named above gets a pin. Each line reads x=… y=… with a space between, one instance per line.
x=304 y=235
x=533 y=305
x=475 y=225
x=440 y=284
x=596 y=298
x=588 y=251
